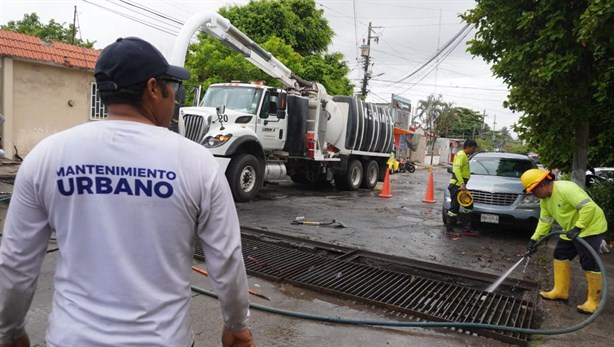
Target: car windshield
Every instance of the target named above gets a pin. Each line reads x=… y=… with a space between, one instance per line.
x=241 y=99
x=506 y=167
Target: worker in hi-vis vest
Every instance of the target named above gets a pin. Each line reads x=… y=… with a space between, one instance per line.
x=460 y=175
x=577 y=214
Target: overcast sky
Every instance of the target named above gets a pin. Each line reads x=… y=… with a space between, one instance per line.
x=408 y=32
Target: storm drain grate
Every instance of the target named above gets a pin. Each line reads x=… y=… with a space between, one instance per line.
x=414 y=295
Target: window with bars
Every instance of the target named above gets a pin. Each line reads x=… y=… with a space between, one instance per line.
x=97 y=109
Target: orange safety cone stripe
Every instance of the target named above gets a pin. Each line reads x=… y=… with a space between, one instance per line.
x=386 y=189
x=430 y=193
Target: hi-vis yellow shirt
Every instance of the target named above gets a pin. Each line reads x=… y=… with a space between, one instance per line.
x=570 y=207
x=460 y=168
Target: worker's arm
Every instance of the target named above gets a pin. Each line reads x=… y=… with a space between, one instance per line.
x=544 y=224
x=218 y=229
x=457 y=167
x=585 y=206
x=24 y=243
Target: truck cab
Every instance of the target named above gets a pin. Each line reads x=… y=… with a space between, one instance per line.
x=239 y=122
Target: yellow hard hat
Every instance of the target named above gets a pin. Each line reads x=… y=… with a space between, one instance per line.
x=531 y=178
x=464 y=198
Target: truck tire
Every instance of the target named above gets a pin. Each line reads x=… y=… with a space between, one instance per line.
x=352 y=179
x=244 y=177
x=370 y=175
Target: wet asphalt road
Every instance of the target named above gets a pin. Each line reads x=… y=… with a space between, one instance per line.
x=403 y=226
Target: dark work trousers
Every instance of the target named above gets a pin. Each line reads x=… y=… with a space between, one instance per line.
x=567 y=250
x=453 y=212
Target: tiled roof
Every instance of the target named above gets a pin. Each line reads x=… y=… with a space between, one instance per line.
x=33 y=48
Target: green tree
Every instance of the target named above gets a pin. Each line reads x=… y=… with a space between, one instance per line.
x=31 y=25
x=294 y=31
x=469 y=123
x=434 y=114
x=556 y=58
x=296 y=22
x=517 y=148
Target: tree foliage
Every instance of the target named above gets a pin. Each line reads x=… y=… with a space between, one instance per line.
x=443 y=119
x=296 y=22
x=31 y=25
x=294 y=31
x=556 y=57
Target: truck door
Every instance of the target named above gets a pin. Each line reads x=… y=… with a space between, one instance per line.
x=271 y=128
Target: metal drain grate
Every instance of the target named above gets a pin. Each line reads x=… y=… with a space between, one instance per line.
x=415 y=295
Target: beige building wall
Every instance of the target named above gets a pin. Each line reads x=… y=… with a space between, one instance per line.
x=46 y=99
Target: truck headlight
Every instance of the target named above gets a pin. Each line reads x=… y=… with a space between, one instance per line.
x=217 y=140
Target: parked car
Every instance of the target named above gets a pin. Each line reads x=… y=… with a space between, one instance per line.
x=599 y=174
x=605 y=172
x=497 y=190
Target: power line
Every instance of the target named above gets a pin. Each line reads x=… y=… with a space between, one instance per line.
x=140 y=21
x=146 y=9
x=465 y=30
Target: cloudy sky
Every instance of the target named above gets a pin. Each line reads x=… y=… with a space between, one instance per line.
x=406 y=35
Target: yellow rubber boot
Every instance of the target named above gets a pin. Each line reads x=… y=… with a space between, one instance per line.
x=561 y=281
x=595 y=282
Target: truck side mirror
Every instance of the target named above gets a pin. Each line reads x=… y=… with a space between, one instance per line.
x=220 y=110
x=281 y=114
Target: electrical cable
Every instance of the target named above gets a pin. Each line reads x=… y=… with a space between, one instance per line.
x=156 y=13
x=140 y=21
x=429 y=324
x=463 y=32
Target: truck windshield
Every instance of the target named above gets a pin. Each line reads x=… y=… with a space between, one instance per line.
x=241 y=99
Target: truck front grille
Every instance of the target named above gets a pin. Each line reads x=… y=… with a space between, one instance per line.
x=194 y=127
x=498 y=199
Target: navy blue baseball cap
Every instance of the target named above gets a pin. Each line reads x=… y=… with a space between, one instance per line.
x=131 y=60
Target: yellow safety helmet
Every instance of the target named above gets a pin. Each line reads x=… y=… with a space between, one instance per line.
x=531 y=178
x=464 y=198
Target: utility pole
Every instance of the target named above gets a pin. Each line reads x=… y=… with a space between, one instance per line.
x=365 y=51
x=74 y=26
x=494 y=123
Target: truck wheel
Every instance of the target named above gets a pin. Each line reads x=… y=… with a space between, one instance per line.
x=370 y=174
x=352 y=179
x=244 y=177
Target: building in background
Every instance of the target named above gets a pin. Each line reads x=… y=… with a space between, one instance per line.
x=45 y=87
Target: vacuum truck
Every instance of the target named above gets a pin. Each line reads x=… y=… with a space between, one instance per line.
x=260 y=133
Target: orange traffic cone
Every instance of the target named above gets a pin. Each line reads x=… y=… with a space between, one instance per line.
x=386 y=189
x=430 y=194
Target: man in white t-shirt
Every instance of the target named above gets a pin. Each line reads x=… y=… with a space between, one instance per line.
x=125 y=197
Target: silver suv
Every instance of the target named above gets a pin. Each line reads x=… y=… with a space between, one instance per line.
x=497 y=190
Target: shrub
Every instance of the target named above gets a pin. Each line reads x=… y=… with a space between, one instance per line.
x=602 y=193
